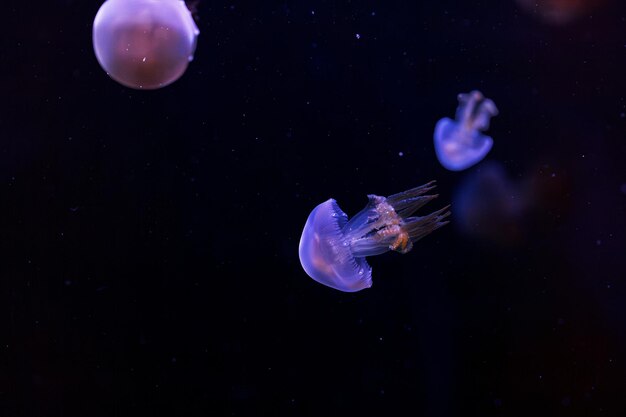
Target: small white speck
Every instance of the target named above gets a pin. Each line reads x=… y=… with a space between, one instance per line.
x=400 y=153
x=144 y=59
x=358 y=36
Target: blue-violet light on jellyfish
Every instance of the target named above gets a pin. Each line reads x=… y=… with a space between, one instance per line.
x=144 y=44
x=333 y=249
x=459 y=143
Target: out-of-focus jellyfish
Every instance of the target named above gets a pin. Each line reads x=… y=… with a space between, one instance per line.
x=559 y=11
x=459 y=143
x=492 y=207
x=333 y=249
x=144 y=44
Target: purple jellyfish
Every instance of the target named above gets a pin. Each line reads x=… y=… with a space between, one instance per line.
x=333 y=249
x=144 y=44
x=459 y=143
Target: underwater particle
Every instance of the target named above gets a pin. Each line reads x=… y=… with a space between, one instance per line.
x=333 y=249
x=459 y=143
x=144 y=44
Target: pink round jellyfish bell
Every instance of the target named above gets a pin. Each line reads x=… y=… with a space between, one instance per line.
x=333 y=249
x=144 y=44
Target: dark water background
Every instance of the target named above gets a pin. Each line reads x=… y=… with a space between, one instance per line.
x=149 y=238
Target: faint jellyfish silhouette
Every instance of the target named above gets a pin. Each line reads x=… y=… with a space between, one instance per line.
x=459 y=143
x=559 y=11
x=490 y=206
x=333 y=249
x=144 y=44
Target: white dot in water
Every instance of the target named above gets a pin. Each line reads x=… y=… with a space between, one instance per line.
x=400 y=153
x=358 y=36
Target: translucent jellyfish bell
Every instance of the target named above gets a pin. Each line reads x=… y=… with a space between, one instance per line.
x=459 y=143
x=333 y=249
x=144 y=44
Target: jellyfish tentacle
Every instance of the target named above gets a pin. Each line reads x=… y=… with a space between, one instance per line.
x=413 y=192
x=407 y=207
x=418 y=227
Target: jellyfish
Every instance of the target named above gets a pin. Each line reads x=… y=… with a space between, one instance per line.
x=491 y=206
x=144 y=44
x=559 y=12
x=333 y=249
x=459 y=143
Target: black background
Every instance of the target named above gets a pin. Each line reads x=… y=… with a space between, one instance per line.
x=148 y=239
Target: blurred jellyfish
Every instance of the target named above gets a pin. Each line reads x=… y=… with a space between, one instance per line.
x=559 y=11
x=492 y=207
x=144 y=44
x=333 y=249
x=459 y=143
x=489 y=205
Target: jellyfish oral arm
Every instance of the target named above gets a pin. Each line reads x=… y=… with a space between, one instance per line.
x=385 y=223
x=486 y=110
